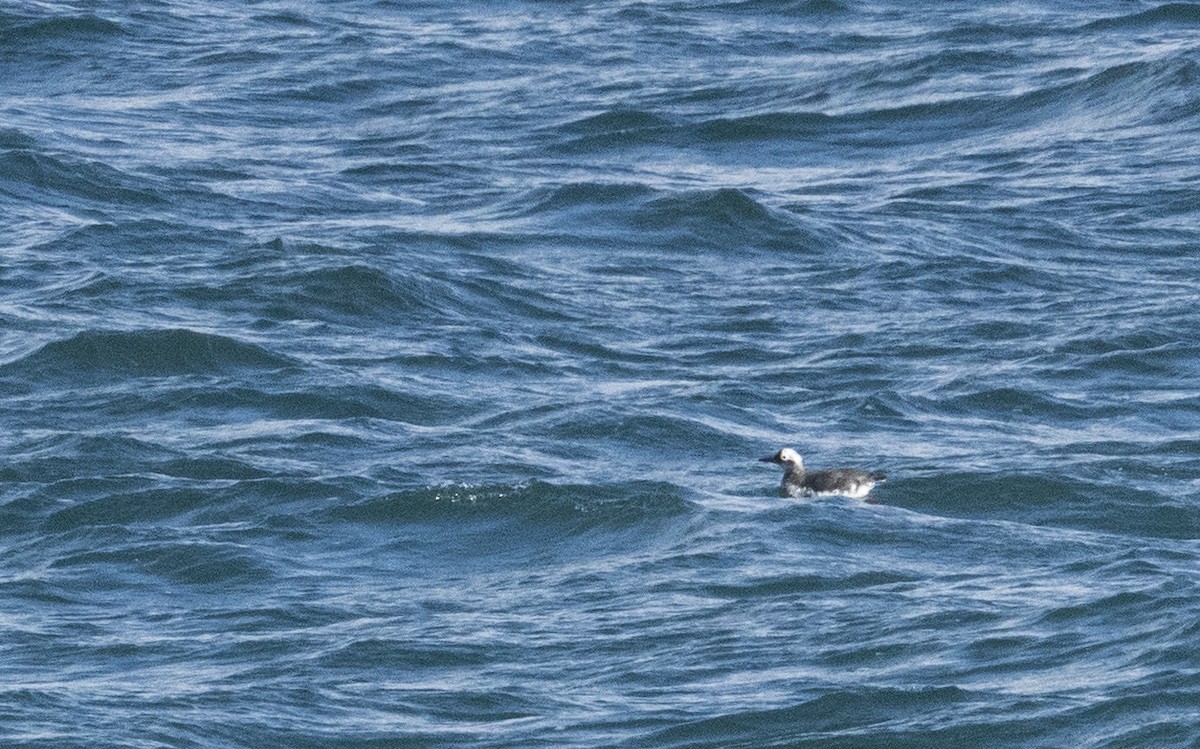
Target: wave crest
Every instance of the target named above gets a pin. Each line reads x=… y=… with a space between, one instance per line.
x=147 y=353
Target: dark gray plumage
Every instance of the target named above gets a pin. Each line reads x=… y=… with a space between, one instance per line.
x=797 y=482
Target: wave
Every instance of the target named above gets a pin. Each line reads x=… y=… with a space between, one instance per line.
x=596 y=199
x=517 y=521
x=348 y=292
x=12 y=138
x=180 y=562
x=342 y=92
x=209 y=468
x=616 y=128
x=790 y=585
x=1182 y=15
x=1004 y=403
x=301 y=399
x=1155 y=92
x=718 y=219
x=870 y=716
x=730 y=219
x=788 y=8
x=149 y=353
x=615 y=121
x=1127 y=93
x=23 y=30
x=145 y=237
x=332 y=289
x=627 y=500
x=1063 y=500
x=1131 y=93
x=122 y=490
x=722 y=206
x=677 y=435
x=31 y=175
x=835 y=718
x=127 y=508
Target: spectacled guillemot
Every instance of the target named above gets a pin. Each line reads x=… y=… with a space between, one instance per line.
x=847 y=482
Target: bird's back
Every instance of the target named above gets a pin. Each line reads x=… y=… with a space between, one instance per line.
x=848 y=481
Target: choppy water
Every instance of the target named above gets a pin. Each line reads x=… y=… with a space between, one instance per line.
x=389 y=374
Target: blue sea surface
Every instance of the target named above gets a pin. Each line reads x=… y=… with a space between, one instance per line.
x=380 y=374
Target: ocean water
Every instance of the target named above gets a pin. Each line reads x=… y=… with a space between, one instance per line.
x=393 y=374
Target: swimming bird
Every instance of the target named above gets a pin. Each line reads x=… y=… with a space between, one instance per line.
x=797 y=482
